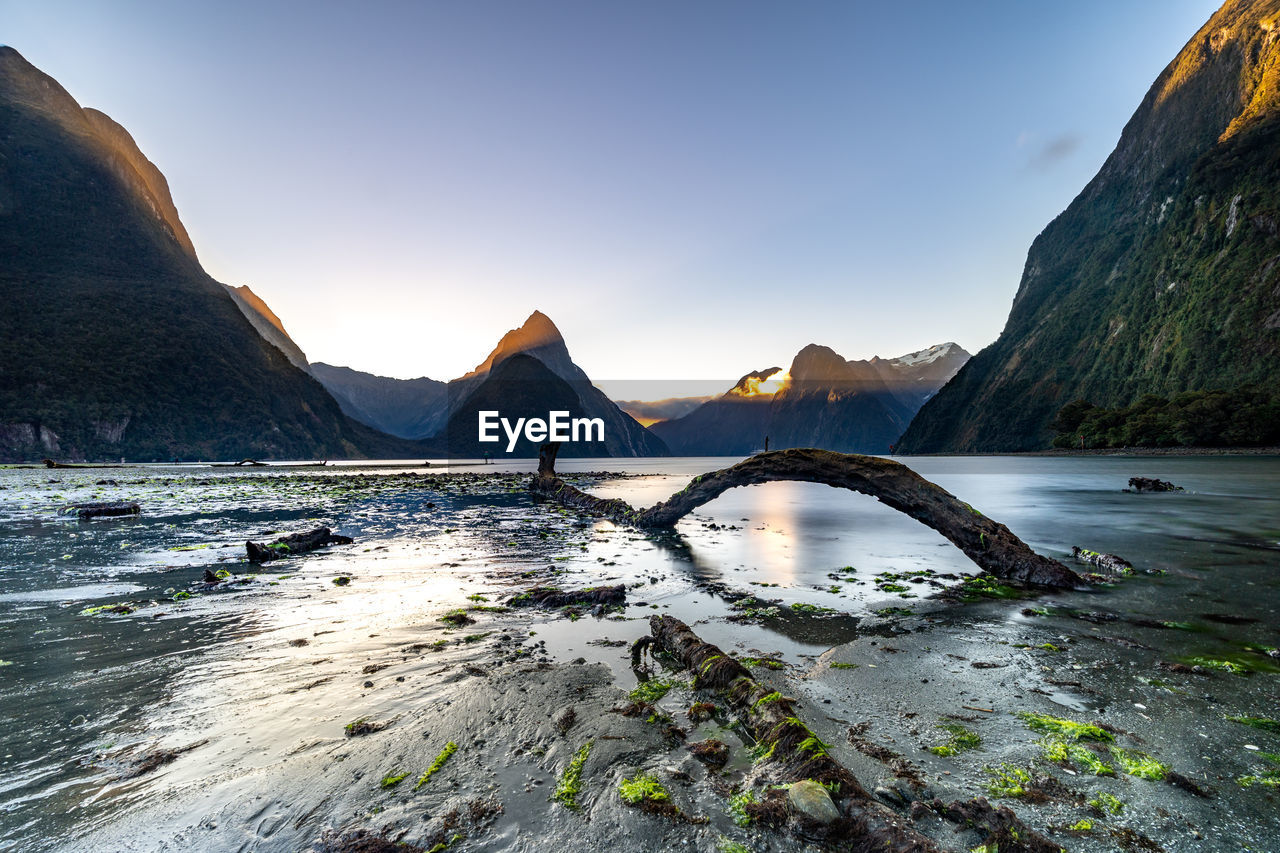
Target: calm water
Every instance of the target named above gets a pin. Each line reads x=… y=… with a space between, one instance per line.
x=80 y=693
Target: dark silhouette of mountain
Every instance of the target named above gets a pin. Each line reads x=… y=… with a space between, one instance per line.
x=519 y=386
x=1163 y=275
x=409 y=408
x=733 y=424
x=824 y=402
x=538 y=338
x=834 y=404
x=113 y=340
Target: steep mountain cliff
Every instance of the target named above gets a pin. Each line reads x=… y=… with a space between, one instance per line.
x=540 y=340
x=1163 y=275
x=267 y=324
x=113 y=340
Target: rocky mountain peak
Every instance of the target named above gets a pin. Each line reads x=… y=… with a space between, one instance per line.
x=538 y=337
x=21 y=83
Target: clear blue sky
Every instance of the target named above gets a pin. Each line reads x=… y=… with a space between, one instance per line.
x=689 y=189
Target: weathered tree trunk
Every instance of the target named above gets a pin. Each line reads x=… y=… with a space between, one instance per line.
x=296 y=543
x=794 y=753
x=988 y=543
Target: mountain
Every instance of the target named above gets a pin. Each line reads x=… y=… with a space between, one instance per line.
x=1163 y=275
x=406 y=408
x=733 y=424
x=823 y=401
x=114 y=342
x=915 y=377
x=539 y=340
x=409 y=408
x=520 y=386
x=649 y=412
x=267 y=324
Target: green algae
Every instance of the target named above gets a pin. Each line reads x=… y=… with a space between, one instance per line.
x=394 y=779
x=1008 y=781
x=737 y=807
x=1062 y=752
x=570 y=784
x=1107 y=803
x=986 y=586
x=764 y=700
x=1264 y=723
x=801 y=607
x=960 y=740
x=1217 y=664
x=1138 y=763
x=1065 y=729
x=653 y=690
x=642 y=787
x=449 y=749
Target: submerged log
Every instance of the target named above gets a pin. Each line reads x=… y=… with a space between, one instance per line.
x=1150 y=484
x=296 y=543
x=1109 y=563
x=550 y=596
x=988 y=543
x=103 y=509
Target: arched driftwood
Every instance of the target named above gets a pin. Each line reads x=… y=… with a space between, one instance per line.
x=988 y=543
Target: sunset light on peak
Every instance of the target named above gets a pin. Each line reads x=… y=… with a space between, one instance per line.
x=757 y=386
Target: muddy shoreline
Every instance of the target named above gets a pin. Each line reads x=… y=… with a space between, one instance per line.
x=258 y=756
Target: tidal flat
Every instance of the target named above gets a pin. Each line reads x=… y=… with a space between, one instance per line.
x=417 y=701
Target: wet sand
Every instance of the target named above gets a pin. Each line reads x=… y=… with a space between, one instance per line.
x=261 y=760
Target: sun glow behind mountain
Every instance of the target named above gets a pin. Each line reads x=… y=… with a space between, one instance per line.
x=754 y=386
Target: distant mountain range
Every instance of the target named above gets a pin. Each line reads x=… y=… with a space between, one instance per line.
x=447 y=413
x=114 y=341
x=1163 y=275
x=822 y=401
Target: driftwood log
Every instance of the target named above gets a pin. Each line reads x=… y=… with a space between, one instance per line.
x=550 y=596
x=792 y=753
x=988 y=543
x=103 y=509
x=296 y=543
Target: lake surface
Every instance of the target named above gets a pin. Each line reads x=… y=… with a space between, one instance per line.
x=81 y=693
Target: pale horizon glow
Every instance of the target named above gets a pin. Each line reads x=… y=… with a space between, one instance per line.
x=687 y=190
